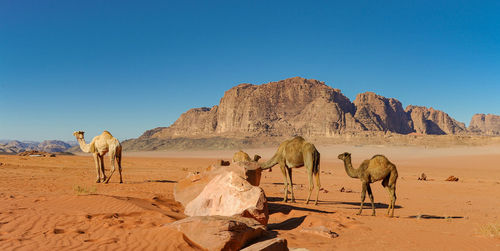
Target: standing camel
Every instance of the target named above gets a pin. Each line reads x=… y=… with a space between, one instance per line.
x=99 y=146
x=372 y=170
x=296 y=152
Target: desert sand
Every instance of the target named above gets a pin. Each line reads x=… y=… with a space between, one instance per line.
x=53 y=203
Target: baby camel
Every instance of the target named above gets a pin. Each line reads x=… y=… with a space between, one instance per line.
x=242 y=156
x=99 y=146
x=372 y=170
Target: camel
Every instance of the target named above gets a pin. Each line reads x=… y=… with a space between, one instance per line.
x=242 y=156
x=372 y=170
x=99 y=146
x=294 y=153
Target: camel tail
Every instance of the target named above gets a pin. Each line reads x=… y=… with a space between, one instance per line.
x=316 y=158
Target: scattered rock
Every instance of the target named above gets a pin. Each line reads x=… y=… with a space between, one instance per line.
x=321 y=231
x=345 y=190
x=253 y=171
x=219 y=232
x=276 y=244
x=323 y=190
x=58 y=231
x=452 y=178
x=422 y=177
x=229 y=194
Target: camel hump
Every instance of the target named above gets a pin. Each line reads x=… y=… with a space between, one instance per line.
x=298 y=138
x=378 y=156
x=107 y=133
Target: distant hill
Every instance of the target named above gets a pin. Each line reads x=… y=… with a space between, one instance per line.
x=51 y=146
x=307 y=107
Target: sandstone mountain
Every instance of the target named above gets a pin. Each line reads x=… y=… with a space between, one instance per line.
x=298 y=106
x=485 y=124
x=429 y=121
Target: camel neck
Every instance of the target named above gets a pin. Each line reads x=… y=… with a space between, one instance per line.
x=353 y=173
x=84 y=146
x=270 y=163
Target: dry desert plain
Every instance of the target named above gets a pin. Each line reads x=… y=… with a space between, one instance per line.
x=53 y=203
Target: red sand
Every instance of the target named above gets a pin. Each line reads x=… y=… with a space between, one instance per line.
x=48 y=203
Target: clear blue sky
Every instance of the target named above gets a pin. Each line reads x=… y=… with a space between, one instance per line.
x=129 y=66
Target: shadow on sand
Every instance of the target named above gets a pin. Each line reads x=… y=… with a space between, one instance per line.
x=434 y=217
x=287 y=207
x=288 y=224
x=367 y=205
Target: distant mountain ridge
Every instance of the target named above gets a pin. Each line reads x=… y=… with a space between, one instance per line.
x=298 y=106
x=51 y=146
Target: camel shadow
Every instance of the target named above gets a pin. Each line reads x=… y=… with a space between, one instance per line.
x=434 y=217
x=365 y=205
x=287 y=208
x=150 y=181
x=162 y=181
x=288 y=224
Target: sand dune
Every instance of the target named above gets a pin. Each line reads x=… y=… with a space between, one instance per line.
x=53 y=203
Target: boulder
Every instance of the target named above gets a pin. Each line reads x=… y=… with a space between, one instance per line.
x=218 y=232
x=276 y=244
x=452 y=178
x=188 y=188
x=229 y=194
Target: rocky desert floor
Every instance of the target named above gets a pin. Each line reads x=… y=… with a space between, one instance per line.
x=49 y=203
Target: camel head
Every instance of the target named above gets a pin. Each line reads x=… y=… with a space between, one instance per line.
x=344 y=156
x=78 y=134
x=256 y=158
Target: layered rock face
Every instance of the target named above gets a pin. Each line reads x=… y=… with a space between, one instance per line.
x=288 y=107
x=430 y=121
x=309 y=108
x=485 y=124
x=377 y=113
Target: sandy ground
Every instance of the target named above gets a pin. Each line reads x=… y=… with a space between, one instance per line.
x=53 y=203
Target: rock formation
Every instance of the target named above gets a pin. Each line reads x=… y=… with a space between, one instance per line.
x=287 y=107
x=377 y=113
x=430 y=121
x=485 y=124
x=228 y=194
x=298 y=106
x=218 y=232
x=223 y=190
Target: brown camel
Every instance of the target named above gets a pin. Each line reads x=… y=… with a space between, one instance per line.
x=99 y=146
x=372 y=170
x=242 y=156
x=296 y=152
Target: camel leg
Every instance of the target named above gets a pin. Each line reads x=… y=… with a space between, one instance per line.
x=97 y=167
x=370 y=194
x=392 y=192
x=112 y=157
x=285 y=182
x=311 y=185
x=119 y=160
x=363 y=195
x=318 y=187
x=101 y=160
x=290 y=183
